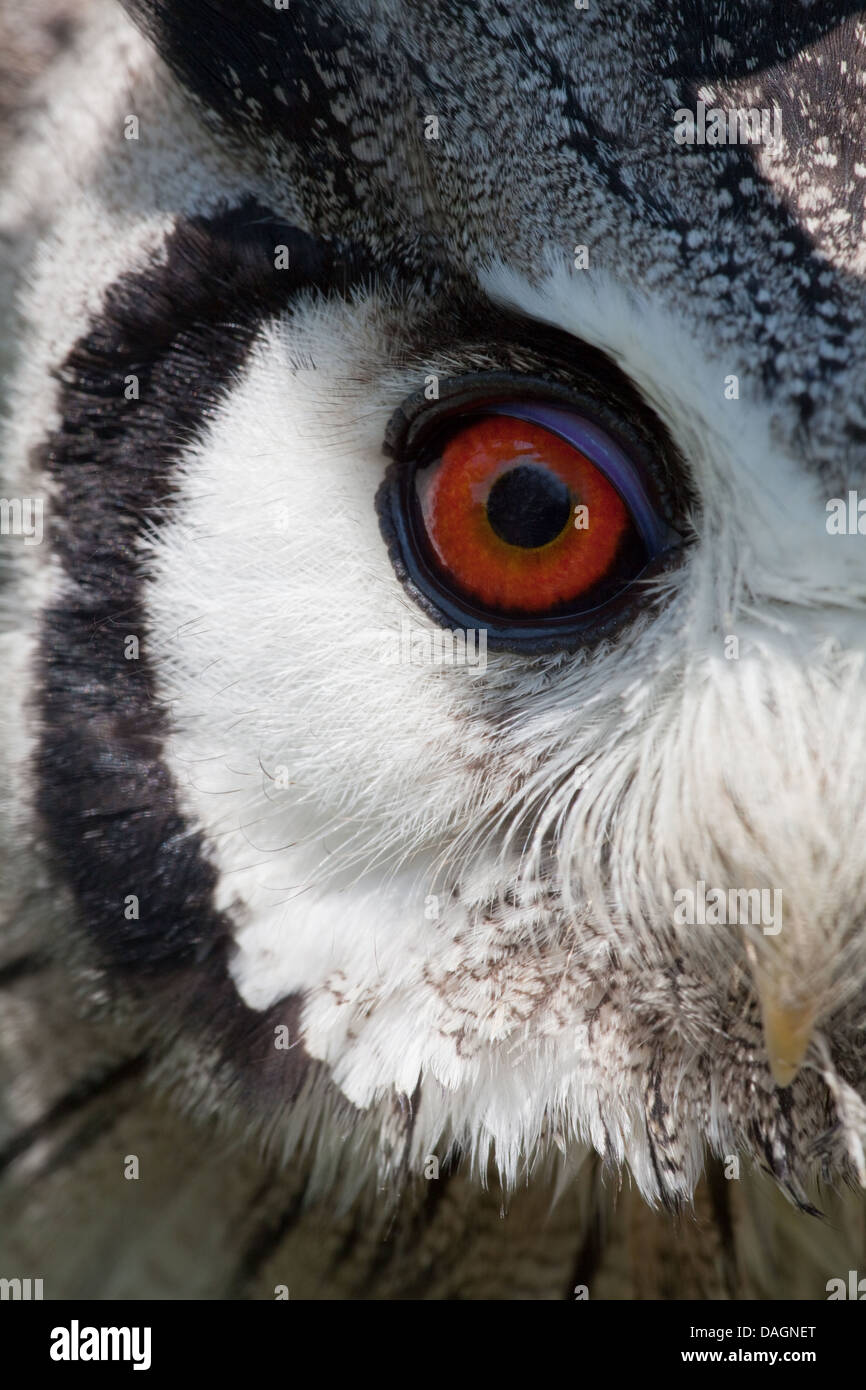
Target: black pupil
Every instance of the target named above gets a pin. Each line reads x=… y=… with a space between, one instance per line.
x=528 y=506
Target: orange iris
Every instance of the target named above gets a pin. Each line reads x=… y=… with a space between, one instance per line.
x=504 y=512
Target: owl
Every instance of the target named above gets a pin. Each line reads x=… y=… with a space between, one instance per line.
x=433 y=637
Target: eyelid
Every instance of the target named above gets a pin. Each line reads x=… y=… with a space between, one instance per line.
x=469 y=393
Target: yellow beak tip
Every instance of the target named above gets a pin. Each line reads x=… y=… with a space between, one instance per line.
x=788 y=1033
x=784 y=1071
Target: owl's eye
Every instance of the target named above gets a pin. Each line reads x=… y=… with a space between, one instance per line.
x=520 y=521
x=525 y=516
